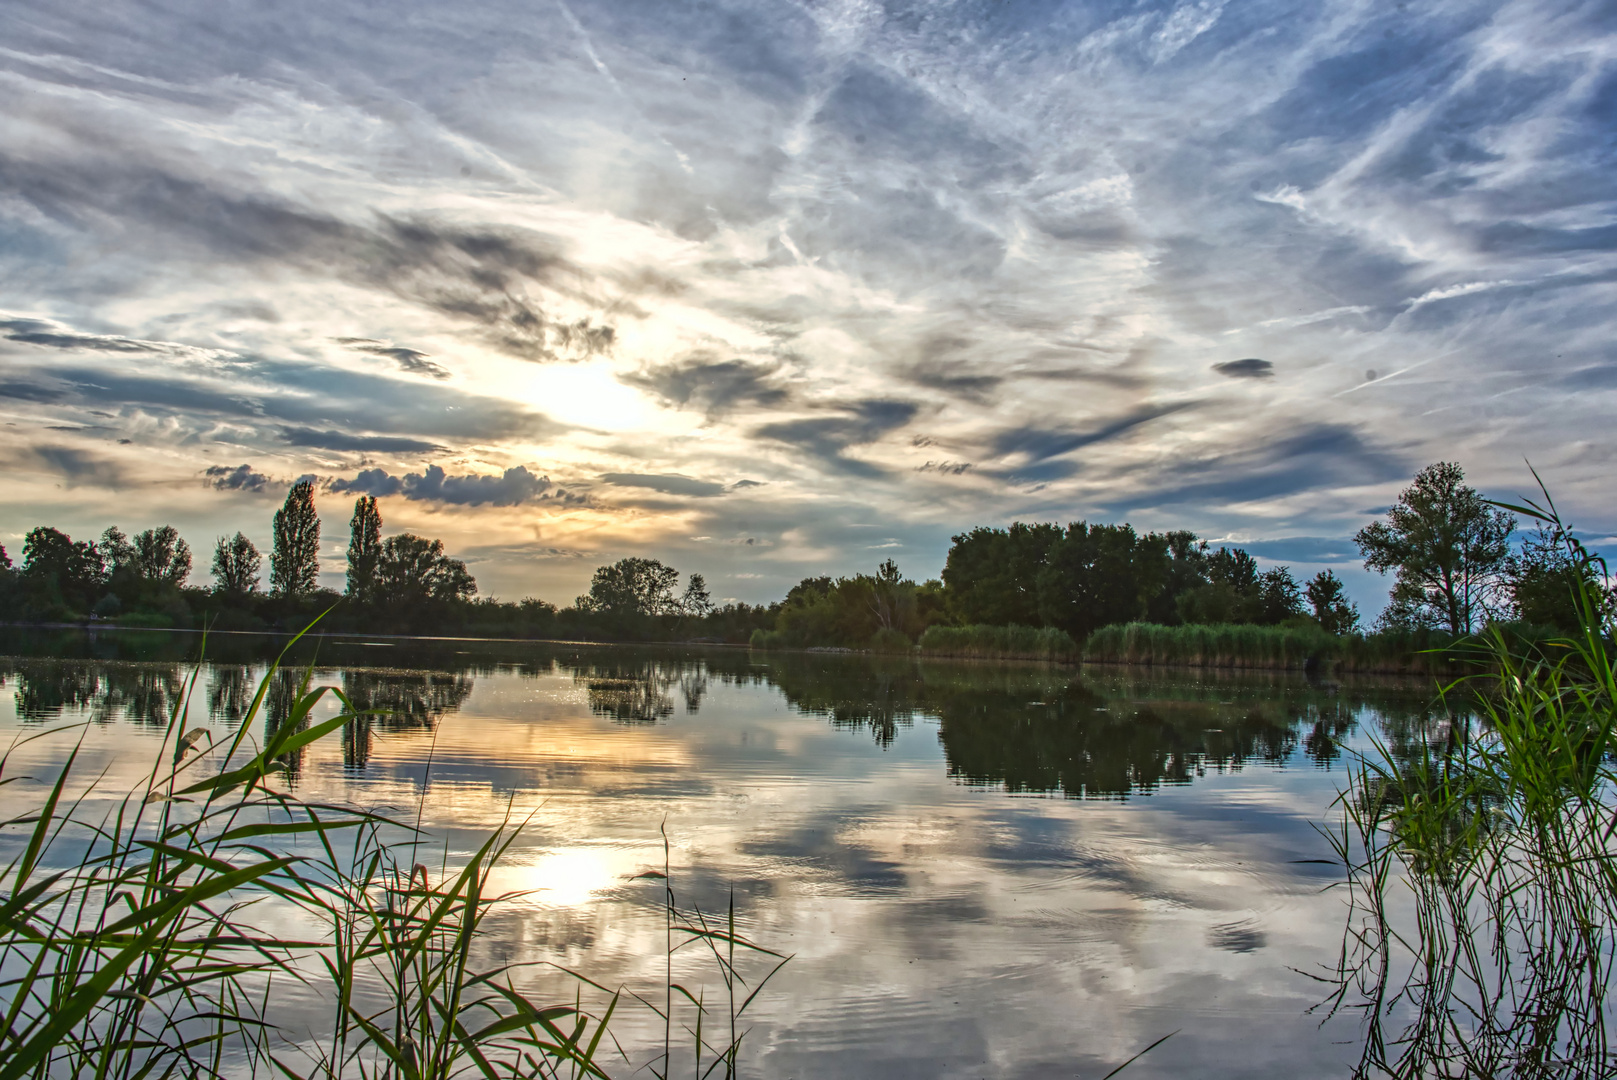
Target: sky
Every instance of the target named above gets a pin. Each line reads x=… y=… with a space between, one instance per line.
x=766 y=290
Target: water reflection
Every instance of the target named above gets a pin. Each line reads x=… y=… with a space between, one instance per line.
x=396 y=700
x=857 y=807
x=1024 y=728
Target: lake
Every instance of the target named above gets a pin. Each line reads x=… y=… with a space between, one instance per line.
x=979 y=870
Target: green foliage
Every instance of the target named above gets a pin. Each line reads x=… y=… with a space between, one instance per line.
x=295 y=557
x=235 y=566
x=162 y=557
x=852 y=612
x=999 y=642
x=364 y=548
x=1501 y=835
x=1448 y=548
x=1334 y=612
x=413 y=572
x=1294 y=646
x=133 y=948
x=891 y=642
x=61 y=571
x=1550 y=578
x=992 y=574
x=1096 y=575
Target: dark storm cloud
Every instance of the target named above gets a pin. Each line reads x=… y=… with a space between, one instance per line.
x=240 y=478
x=716 y=387
x=1249 y=368
x=512 y=488
x=825 y=438
x=668 y=484
x=414 y=361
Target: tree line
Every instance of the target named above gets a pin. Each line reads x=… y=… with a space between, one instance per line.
x=1451 y=552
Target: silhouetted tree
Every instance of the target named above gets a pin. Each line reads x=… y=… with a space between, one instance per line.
x=1334 y=612
x=295 y=558
x=118 y=556
x=697 y=603
x=632 y=587
x=161 y=557
x=364 y=548
x=60 y=570
x=235 y=566
x=412 y=571
x=1449 y=550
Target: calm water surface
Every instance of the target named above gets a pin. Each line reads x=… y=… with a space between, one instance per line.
x=980 y=870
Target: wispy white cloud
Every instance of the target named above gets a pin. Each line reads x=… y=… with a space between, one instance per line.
x=985 y=263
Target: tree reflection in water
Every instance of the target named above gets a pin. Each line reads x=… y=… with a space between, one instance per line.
x=144 y=693
x=641 y=691
x=392 y=700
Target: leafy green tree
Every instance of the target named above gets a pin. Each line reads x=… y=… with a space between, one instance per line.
x=364 y=548
x=1278 y=596
x=1097 y=575
x=412 y=572
x=161 y=557
x=295 y=556
x=992 y=575
x=1548 y=577
x=61 y=570
x=1186 y=570
x=235 y=566
x=1334 y=612
x=1448 y=549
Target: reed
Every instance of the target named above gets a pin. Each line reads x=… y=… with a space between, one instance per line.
x=1481 y=873
x=1249 y=647
x=132 y=944
x=999 y=642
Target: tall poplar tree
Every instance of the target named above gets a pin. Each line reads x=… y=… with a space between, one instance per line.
x=295 y=558
x=364 y=548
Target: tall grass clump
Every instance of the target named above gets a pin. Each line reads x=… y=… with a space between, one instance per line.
x=133 y=940
x=1217 y=646
x=1246 y=646
x=1481 y=871
x=999 y=642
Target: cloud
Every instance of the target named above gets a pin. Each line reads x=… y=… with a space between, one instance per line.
x=667 y=484
x=1303 y=549
x=240 y=478
x=1038 y=444
x=512 y=488
x=342 y=440
x=1249 y=368
x=826 y=437
x=79 y=468
x=715 y=387
x=413 y=361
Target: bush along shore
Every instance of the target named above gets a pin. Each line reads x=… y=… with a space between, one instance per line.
x=1095 y=592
